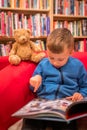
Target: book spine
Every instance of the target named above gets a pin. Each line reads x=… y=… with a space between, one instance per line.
x=38 y=24
x=84 y=27
x=34 y=26
x=72 y=6
x=48 y=25
x=44 y=24
x=7 y=49
x=76 y=8
x=85 y=7
x=0 y=50
x=3 y=23
x=3 y=51
x=85 y=46
x=66 y=7
x=0 y=3
x=10 y=23
x=5 y=3
x=12 y=3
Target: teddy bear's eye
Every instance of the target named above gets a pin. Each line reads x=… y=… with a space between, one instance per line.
x=18 y=35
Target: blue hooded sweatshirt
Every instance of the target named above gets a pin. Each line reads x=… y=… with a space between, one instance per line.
x=61 y=82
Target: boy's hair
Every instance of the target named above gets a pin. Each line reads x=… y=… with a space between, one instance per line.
x=58 y=39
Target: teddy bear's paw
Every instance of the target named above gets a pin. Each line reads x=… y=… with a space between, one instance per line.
x=37 y=58
x=42 y=55
x=37 y=49
x=14 y=59
x=12 y=52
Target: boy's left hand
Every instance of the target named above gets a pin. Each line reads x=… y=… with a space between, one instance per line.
x=76 y=97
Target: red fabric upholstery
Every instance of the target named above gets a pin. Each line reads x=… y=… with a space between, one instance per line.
x=82 y=56
x=14 y=91
x=3 y=62
x=14 y=87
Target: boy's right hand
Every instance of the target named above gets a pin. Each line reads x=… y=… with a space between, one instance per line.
x=36 y=82
x=75 y=97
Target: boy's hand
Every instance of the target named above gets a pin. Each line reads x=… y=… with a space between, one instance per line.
x=36 y=82
x=75 y=97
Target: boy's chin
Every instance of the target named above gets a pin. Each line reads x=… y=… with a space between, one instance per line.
x=57 y=66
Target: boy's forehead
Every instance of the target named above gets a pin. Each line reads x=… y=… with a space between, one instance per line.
x=58 y=56
x=64 y=53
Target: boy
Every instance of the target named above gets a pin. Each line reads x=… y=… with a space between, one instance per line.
x=59 y=76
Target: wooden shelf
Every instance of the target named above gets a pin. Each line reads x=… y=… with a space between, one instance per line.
x=5 y=39
x=25 y=11
x=80 y=37
x=68 y=17
x=77 y=38
x=38 y=38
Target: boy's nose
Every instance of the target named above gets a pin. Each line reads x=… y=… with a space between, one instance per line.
x=55 y=63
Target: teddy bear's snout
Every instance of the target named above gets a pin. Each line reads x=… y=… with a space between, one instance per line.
x=23 y=39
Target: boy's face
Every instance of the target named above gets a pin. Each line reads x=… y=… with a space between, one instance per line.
x=58 y=60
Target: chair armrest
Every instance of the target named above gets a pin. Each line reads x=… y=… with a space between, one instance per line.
x=14 y=90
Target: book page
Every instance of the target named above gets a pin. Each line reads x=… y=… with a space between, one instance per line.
x=43 y=107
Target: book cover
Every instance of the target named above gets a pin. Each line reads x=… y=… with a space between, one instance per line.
x=59 y=109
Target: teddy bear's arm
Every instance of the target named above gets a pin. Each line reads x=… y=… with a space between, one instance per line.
x=34 y=47
x=13 y=49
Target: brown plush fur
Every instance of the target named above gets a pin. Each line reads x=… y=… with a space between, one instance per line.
x=24 y=49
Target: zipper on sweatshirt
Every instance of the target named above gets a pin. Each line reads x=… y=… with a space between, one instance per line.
x=62 y=82
x=61 y=73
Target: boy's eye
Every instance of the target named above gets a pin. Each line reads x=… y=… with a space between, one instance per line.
x=51 y=58
x=61 y=59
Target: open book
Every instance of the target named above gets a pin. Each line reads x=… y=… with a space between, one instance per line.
x=59 y=109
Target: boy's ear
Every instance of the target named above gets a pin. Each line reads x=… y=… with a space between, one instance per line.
x=71 y=51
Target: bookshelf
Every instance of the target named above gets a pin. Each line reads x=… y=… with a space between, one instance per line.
x=71 y=14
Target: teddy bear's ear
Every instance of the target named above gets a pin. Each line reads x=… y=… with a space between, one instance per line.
x=15 y=31
x=29 y=31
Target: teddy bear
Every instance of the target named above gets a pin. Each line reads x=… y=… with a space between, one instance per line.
x=23 y=49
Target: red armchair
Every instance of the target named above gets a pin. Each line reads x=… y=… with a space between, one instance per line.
x=14 y=87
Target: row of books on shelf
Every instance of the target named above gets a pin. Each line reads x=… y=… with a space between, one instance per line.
x=81 y=46
x=70 y=7
x=39 y=24
x=5 y=48
x=41 y=44
x=77 y=28
x=36 y=4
